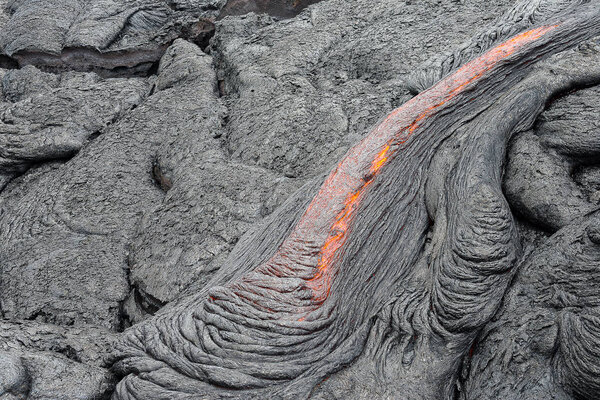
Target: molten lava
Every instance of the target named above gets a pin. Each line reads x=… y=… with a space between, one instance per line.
x=313 y=249
x=398 y=131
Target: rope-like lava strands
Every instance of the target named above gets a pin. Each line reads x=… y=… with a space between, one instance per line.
x=349 y=181
x=523 y=15
x=280 y=316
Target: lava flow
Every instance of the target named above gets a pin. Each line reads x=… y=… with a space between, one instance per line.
x=320 y=234
x=396 y=129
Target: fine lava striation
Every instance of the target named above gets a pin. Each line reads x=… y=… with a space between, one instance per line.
x=301 y=297
x=198 y=201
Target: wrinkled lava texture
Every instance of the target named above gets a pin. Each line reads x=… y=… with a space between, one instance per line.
x=336 y=199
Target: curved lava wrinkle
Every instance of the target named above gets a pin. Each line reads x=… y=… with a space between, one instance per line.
x=279 y=326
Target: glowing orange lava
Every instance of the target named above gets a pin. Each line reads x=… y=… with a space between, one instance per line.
x=321 y=232
x=321 y=282
x=397 y=130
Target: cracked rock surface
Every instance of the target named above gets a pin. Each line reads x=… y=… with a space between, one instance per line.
x=82 y=34
x=47 y=117
x=157 y=158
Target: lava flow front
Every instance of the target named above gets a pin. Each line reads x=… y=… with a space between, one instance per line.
x=313 y=249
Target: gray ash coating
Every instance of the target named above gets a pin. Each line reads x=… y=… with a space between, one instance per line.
x=133 y=163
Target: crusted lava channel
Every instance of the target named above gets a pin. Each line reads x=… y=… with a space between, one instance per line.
x=279 y=321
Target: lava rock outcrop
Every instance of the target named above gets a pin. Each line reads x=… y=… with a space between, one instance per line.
x=334 y=199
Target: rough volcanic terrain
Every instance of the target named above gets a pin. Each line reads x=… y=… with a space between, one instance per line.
x=336 y=199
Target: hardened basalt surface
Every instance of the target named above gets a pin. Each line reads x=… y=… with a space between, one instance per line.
x=149 y=177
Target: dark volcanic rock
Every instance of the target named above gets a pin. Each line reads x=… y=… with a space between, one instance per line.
x=158 y=159
x=41 y=376
x=69 y=225
x=276 y=8
x=211 y=199
x=107 y=34
x=42 y=361
x=544 y=340
x=566 y=141
x=48 y=117
x=341 y=295
x=301 y=91
x=292 y=112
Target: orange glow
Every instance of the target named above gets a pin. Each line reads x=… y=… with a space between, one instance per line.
x=321 y=282
x=428 y=102
x=320 y=234
x=481 y=65
x=381 y=159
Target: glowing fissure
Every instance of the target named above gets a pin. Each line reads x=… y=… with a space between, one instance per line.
x=320 y=234
x=437 y=96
